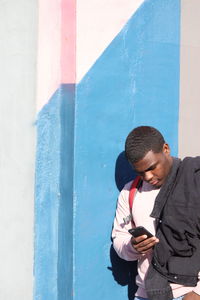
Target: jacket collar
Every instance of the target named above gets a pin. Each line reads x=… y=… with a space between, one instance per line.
x=165 y=189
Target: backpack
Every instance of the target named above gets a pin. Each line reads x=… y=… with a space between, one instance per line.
x=134 y=187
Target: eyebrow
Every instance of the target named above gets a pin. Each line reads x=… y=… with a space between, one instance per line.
x=148 y=169
x=151 y=167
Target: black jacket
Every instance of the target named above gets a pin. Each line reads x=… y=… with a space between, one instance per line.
x=176 y=258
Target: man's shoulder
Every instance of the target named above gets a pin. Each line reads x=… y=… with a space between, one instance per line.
x=191 y=161
x=129 y=184
x=191 y=158
x=190 y=166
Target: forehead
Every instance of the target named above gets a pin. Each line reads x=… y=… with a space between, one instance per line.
x=150 y=159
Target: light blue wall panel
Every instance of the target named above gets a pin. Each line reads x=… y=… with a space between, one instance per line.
x=54 y=198
x=134 y=82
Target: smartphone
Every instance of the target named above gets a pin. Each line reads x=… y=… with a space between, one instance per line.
x=140 y=230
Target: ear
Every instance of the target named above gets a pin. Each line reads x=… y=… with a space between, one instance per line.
x=166 y=149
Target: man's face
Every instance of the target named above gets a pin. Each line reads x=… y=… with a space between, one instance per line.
x=154 y=167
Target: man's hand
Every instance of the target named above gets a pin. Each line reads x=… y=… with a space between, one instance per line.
x=191 y=296
x=142 y=244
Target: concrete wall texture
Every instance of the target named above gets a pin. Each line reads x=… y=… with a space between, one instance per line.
x=103 y=67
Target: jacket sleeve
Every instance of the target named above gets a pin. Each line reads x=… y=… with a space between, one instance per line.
x=120 y=235
x=197 y=186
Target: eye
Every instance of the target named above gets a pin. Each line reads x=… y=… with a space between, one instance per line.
x=152 y=168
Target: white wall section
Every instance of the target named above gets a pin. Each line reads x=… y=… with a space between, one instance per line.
x=98 y=22
x=189 y=111
x=18 y=34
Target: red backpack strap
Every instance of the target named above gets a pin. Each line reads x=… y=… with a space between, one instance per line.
x=135 y=185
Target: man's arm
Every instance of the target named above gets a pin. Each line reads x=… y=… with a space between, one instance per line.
x=120 y=235
x=195 y=294
x=191 y=296
x=126 y=246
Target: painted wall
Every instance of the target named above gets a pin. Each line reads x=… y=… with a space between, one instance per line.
x=103 y=67
x=127 y=71
x=18 y=35
x=134 y=81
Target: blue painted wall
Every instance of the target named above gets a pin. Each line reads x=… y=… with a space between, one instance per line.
x=134 y=82
x=54 y=198
x=80 y=163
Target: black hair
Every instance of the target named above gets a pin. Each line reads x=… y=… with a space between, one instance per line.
x=141 y=140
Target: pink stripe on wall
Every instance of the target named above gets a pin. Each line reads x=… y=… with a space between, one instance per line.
x=68 y=41
x=56 y=47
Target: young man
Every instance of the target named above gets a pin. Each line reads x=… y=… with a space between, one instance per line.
x=167 y=203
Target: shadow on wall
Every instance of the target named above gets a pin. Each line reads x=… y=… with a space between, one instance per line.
x=123 y=171
x=124 y=272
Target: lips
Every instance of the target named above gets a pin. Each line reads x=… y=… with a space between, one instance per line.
x=154 y=182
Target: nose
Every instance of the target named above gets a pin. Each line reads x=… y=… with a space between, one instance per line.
x=147 y=176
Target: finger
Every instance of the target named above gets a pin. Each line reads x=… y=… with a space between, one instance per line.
x=137 y=240
x=146 y=245
x=145 y=250
x=143 y=240
x=140 y=238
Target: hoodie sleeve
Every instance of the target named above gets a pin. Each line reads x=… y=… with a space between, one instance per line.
x=120 y=235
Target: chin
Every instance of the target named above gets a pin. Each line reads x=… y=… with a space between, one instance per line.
x=160 y=183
